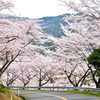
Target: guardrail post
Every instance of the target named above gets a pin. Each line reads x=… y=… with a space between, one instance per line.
x=92 y=91
x=11 y=97
x=18 y=91
x=50 y=89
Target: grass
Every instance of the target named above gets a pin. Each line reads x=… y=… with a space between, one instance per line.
x=84 y=92
x=5 y=94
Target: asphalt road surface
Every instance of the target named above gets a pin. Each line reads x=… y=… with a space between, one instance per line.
x=33 y=95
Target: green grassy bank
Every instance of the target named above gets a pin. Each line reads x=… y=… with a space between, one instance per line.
x=6 y=94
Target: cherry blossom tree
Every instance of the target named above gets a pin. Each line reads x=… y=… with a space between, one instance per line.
x=3 y=5
x=75 y=72
x=11 y=76
x=16 y=38
x=44 y=70
x=82 y=31
x=25 y=75
x=6 y=5
x=90 y=7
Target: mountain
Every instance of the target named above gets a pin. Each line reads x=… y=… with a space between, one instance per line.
x=51 y=25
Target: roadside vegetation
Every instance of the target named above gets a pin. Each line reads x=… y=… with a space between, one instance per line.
x=84 y=92
x=5 y=94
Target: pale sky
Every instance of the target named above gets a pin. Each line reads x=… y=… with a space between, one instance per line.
x=38 y=8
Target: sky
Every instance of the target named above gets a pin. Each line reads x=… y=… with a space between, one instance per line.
x=38 y=8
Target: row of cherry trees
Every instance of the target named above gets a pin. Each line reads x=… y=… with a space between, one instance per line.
x=82 y=36
x=17 y=54
x=40 y=71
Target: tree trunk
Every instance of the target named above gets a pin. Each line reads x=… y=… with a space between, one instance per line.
x=39 y=84
x=97 y=85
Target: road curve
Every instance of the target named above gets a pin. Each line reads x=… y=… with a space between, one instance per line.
x=33 y=95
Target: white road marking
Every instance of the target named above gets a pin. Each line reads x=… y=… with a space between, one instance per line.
x=62 y=98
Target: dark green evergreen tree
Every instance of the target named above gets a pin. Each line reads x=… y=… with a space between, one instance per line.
x=94 y=59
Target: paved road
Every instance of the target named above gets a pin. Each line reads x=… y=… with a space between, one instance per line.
x=32 y=95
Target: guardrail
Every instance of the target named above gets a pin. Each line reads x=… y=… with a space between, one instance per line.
x=55 y=88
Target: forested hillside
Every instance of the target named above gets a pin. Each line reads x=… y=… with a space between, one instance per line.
x=51 y=25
